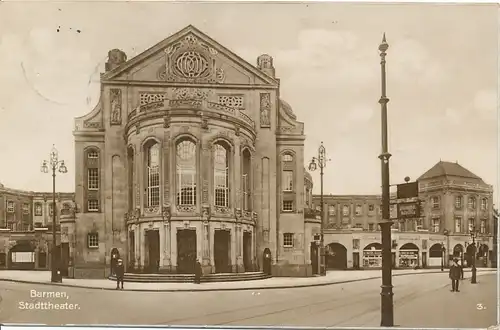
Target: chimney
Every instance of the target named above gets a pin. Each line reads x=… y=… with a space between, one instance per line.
x=116 y=58
x=265 y=64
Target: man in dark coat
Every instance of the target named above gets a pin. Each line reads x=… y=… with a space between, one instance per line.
x=197 y=272
x=455 y=273
x=120 y=273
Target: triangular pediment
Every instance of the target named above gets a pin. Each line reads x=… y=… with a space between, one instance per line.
x=190 y=56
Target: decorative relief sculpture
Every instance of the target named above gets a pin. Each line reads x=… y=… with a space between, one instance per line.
x=204 y=123
x=232 y=101
x=254 y=217
x=265 y=109
x=147 y=98
x=152 y=209
x=204 y=196
x=166 y=212
x=116 y=106
x=206 y=213
x=237 y=213
x=190 y=94
x=186 y=208
x=166 y=121
x=137 y=129
x=191 y=60
x=222 y=210
x=237 y=131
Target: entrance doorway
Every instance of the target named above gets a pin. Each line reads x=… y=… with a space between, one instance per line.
x=222 y=249
x=153 y=250
x=247 y=251
x=314 y=258
x=186 y=251
x=267 y=261
x=131 y=251
x=336 y=256
x=64 y=259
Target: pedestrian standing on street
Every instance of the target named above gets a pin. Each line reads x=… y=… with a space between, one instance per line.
x=197 y=272
x=120 y=273
x=455 y=275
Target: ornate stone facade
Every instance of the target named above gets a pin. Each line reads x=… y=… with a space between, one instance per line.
x=193 y=173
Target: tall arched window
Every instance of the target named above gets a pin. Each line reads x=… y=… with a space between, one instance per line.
x=221 y=175
x=92 y=173
x=288 y=182
x=186 y=172
x=153 y=173
x=246 y=180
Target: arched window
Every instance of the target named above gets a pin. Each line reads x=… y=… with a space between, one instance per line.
x=221 y=175
x=153 y=173
x=186 y=172
x=246 y=180
x=131 y=166
x=288 y=182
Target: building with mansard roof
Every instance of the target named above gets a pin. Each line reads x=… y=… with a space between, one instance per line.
x=26 y=228
x=453 y=202
x=190 y=154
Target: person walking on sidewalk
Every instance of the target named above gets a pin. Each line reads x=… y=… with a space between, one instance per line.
x=455 y=275
x=120 y=273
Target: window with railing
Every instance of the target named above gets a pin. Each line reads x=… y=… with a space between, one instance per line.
x=435 y=225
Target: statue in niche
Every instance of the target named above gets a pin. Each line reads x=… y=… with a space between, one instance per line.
x=265 y=109
x=116 y=107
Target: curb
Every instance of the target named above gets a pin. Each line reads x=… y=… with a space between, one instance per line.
x=228 y=289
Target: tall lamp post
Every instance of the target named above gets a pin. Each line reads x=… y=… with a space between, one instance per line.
x=54 y=164
x=387 y=307
x=320 y=162
x=443 y=249
x=473 y=235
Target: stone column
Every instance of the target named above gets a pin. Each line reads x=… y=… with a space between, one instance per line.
x=143 y=234
x=239 y=248
x=206 y=244
x=233 y=248
x=211 y=253
x=206 y=172
x=236 y=193
x=37 y=250
x=199 y=240
x=167 y=263
x=162 y=245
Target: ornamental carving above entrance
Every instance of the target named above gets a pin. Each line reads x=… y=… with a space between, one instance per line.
x=191 y=60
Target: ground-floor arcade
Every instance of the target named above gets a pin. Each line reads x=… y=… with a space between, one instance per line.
x=409 y=250
x=174 y=247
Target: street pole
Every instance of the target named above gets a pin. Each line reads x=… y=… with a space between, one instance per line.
x=387 y=308
x=322 y=239
x=442 y=257
x=54 y=164
x=474 y=270
x=321 y=163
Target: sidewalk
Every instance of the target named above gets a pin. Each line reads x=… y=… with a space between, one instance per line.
x=332 y=277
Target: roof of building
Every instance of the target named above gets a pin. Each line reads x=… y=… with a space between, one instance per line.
x=448 y=169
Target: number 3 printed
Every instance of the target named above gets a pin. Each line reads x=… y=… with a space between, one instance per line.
x=480 y=307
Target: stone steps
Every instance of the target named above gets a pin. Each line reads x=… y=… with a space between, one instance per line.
x=189 y=278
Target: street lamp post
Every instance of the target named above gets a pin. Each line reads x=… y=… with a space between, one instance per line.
x=473 y=235
x=442 y=256
x=54 y=164
x=320 y=162
x=387 y=307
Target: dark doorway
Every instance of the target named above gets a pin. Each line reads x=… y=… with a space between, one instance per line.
x=22 y=256
x=266 y=261
x=355 y=260
x=131 y=249
x=115 y=255
x=247 y=251
x=186 y=251
x=153 y=250
x=222 y=250
x=424 y=259
x=336 y=256
x=64 y=259
x=42 y=260
x=469 y=254
x=314 y=258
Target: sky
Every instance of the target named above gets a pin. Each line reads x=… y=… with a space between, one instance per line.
x=442 y=68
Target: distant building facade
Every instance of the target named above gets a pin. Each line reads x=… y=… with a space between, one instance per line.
x=26 y=228
x=190 y=154
x=453 y=202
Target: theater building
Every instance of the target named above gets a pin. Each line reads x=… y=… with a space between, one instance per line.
x=190 y=154
x=26 y=229
x=453 y=202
